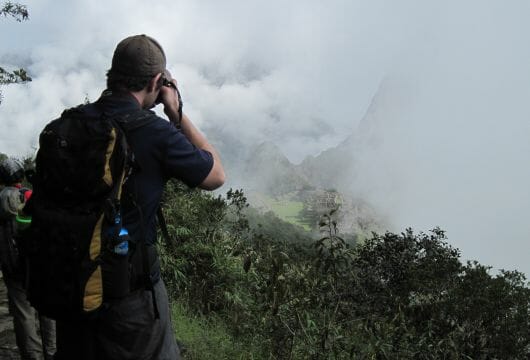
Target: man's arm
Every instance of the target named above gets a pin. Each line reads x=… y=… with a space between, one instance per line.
x=216 y=176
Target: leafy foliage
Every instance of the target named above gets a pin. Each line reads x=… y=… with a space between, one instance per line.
x=18 y=11
x=394 y=296
x=17 y=76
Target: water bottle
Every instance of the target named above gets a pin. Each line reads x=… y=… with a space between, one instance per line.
x=123 y=246
x=115 y=265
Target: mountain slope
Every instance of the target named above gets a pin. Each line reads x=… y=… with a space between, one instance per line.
x=269 y=171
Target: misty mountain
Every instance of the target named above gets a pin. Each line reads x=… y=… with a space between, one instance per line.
x=264 y=168
x=268 y=170
x=332 y=168
x=338 y=167
x=269 y=176
x=295 y=191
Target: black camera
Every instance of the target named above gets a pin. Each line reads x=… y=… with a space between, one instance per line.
x=163 y=81
x=166 y=82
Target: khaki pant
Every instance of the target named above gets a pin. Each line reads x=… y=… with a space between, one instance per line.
x=26 y=323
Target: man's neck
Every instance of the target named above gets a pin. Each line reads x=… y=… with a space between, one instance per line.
x=128 y=94
x=139 y=96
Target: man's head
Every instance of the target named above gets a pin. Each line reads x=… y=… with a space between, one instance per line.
x=137 y=60
x=11 y=172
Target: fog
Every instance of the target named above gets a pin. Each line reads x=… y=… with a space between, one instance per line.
x=446 y=145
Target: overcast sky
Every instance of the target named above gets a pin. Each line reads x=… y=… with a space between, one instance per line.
x=452 y=126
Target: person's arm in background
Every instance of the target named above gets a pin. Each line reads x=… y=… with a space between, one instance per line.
x=216 y=176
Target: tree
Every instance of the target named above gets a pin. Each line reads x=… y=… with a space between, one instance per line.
x=20 y=13
x=17 y=11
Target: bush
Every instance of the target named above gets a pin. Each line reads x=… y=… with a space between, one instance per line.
x=394 y=296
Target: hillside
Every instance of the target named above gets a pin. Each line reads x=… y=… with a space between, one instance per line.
x=332 y=168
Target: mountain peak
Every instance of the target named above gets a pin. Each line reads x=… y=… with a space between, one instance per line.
x=270 y=153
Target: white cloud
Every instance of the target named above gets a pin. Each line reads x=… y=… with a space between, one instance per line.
x=295 y=60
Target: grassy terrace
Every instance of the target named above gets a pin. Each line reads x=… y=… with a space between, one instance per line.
x=287 y=210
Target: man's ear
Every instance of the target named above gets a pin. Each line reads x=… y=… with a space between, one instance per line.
x=155 y=83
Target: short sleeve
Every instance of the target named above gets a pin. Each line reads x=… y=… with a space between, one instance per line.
x=185 y=161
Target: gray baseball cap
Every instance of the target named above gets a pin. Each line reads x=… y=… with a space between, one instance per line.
x=138 y=55
x=11 y=171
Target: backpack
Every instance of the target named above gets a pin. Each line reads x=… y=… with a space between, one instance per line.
x=11 y=202
x=75 y=249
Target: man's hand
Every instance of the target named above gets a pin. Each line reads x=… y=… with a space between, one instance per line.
x=169 y=97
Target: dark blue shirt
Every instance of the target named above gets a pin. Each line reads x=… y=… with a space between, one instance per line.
x=161 y=152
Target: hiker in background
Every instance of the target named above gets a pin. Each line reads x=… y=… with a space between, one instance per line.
x=32 y=344
x=137 y=325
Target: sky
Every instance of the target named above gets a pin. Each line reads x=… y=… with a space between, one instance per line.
x=447 y=145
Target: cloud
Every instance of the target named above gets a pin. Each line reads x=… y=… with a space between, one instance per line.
x=446 y=143
x=271 y=66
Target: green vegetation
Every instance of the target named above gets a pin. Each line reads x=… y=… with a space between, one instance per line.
x=202 y=337
x=240 y=292
x=269 y=225
x=287 y=210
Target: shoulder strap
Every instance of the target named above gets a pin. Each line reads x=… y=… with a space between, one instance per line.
x=163 y=225
x=132 y=120
x=145 y=259
x=8 y=250
x=126 y=122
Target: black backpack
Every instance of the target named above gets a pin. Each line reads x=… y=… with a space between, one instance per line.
x=10 y=199
x=8 y=248
x=75 y=249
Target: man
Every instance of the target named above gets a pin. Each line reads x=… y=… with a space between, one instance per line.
x=129 y=328
x=25 y=319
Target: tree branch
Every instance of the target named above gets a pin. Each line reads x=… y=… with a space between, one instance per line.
x=16 y=10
